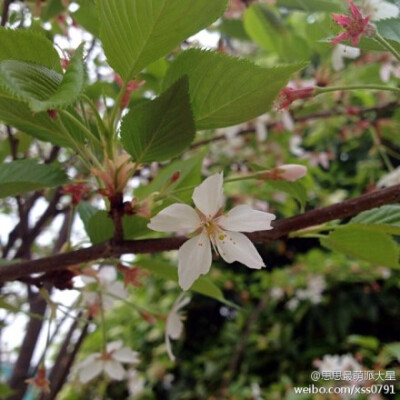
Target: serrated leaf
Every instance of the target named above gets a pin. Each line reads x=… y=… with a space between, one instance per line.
x=26 y=81
x=160 y=129
x=376 y=247
x=383 y=219
x=30 y=46
x=136 y=33
x=69 y=88
x=203 y=285
x=99 y=227
x=225 y=90
x=41 y=87
x=18 y=177
x=389 y=28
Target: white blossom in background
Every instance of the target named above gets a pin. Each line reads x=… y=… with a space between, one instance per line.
x=212 y=229
x=109 y=362
x=313 y=292
x=135 y=382
x=111 y=289
x=343 y=363
x=174 y=325
x=340 y=52
x=260 y=126
x=390 y=179
x=276 y=293
x=379 y=9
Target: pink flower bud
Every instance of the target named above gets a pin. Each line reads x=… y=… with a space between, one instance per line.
x=175 y=176
x=287 y=172
x=288 y=95
x=291 y=172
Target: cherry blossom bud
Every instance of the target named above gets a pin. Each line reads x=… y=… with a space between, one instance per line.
x=175 y=176
x=287 y=172
x=52 y=113
x=292 y=172
x=76 y=190
x=288 y=95
x=40 y=381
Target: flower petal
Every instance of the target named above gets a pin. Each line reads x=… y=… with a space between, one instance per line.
x=194 y=259
x=174 y=326
x=114 y=370
x=174 y=218
x=169 y=348
x=244 y=219
x=237 y=247
x=209 y=197
x=126 y=355
x=89 y=371
x=113 y=346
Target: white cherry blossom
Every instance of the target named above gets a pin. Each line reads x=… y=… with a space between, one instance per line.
x=109 y=362
x=174 y=325
x=212 y=229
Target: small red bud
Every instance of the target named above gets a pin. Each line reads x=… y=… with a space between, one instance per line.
x=175 y=176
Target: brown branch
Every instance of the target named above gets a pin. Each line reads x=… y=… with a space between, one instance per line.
x=282 y=228
x=17 y=380
x=381 y=111
x=6 y=9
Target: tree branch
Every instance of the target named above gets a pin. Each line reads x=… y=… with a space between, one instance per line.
x=380 y=110
x=282 y=228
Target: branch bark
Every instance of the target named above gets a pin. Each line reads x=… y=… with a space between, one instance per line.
x=282 y=228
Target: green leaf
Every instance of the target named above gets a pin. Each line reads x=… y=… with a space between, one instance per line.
x=383 y=219
x=30 y=46
x=87 y=16
x=225 y=90
x=26 y=81
x=70 y=87
x=100 y=227
x=265 y=28
x=160 y=129
x=136 y=33
x=41 y=87
x=165 y=270
x=86 y=211
x=40 y=125
x=189 y=176
x=375 y=247
x=294 y=189
x=23 y=176
x=389 y=28
x=134 y=226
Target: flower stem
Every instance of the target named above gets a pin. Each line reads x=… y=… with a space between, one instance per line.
x=381 y=40
x=103 y=323
x=321 y=90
